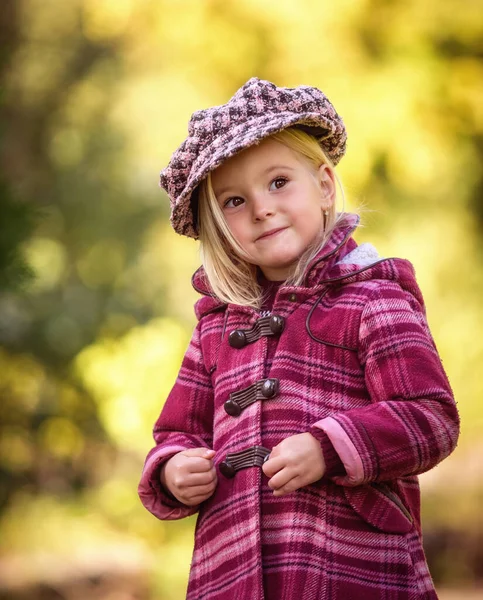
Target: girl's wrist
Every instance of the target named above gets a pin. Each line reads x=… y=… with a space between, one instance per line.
x=163 y=480
x=333 y=464
x=164 y=485
x=162 y=475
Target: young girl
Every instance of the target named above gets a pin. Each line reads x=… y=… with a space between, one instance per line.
x=311 y=395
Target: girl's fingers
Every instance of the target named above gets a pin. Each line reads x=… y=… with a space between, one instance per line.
x=195 y=500
x=200 y=452
x=205 y=478
x=281 y=479
x=199 y=499
x=273 y=465
x=290 y=486
x=199 y=465
x=200 y=490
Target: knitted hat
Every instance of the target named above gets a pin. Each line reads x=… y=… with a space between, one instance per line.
x=257 y=110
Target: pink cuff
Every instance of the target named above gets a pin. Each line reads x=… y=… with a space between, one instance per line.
x=333 y=464
x=151 y=492
x=346 y=450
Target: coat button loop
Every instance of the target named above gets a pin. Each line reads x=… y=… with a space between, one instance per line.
x=269 y=388
x=232 y=408
x=227 y=469
x=237 y=339
x=277 y=324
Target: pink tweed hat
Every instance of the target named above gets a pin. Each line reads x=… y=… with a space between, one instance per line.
x=258 y=109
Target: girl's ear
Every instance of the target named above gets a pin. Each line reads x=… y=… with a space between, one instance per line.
x=326 y=178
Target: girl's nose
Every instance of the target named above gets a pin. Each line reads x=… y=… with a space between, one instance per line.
x=262 y=207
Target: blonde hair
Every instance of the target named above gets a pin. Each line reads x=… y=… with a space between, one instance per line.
x=232 y=277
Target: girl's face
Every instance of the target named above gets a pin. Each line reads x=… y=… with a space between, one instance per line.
x=273 y=203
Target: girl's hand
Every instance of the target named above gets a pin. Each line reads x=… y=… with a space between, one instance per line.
x=190 y=475
x=295 y=462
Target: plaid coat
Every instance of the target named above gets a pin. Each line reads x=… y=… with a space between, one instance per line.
x=357 y=367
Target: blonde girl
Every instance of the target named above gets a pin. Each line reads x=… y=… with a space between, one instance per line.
x=311 y=394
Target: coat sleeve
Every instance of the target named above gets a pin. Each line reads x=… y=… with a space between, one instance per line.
x=412 y=422
x=186 y=421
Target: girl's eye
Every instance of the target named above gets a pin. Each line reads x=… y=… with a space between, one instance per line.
x=233 y=202
x=279 y=182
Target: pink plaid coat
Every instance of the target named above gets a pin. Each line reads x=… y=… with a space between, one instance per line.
x=357 y=367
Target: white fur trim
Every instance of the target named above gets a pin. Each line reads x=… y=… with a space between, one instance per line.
x=363 y=255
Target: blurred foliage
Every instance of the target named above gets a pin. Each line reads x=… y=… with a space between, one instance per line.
x=96 y=94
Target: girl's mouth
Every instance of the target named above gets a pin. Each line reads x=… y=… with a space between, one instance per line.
x=270 y=233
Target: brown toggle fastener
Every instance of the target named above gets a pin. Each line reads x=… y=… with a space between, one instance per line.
x=270 y=388
x=265 y=326
x=232 y=408
x=250 y=457
x=261 y=390
x=277 y=324
x=227 y=469
x=237 y=339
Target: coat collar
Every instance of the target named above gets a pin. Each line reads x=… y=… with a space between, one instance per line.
x=339 y=244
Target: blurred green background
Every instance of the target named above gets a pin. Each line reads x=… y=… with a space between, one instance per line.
x=95 y=295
